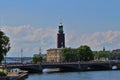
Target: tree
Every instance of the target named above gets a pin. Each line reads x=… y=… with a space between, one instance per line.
x=84 y=53
x=102 y=55
x=4 y=45
x=96 y=55
x=36 y=59
x=68 y=54
x=114 y=56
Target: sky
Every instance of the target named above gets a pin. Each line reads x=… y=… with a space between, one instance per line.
x=33 y=24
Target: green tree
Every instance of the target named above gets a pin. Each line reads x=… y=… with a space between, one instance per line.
x=68 y=54
x=114 y=56
x=36 y=59
x=102 y=55
x=4 y=45
x=84 y=53
x=96 y=55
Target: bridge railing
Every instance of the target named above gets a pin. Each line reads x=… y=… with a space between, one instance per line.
x=83 y=62
x=49 y=63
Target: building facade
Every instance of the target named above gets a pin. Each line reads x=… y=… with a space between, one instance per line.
x=54 y=55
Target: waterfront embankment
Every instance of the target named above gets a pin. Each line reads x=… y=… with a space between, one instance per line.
x=21 y=75
x=17 y=75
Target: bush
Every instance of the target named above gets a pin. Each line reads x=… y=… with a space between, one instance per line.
x=3 y=72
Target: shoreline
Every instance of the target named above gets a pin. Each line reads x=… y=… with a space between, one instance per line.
x=15 y=76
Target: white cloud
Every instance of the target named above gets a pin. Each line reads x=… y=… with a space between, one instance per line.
x=31 y=39
x=98 y=39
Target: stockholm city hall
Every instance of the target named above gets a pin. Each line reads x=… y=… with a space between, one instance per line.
x=54 y=54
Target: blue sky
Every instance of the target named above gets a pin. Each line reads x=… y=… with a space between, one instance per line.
x=31 y=24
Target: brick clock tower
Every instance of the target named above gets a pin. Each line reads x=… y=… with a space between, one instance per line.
x=60 y=37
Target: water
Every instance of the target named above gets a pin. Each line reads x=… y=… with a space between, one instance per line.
x=90 y=75
x=17 y=59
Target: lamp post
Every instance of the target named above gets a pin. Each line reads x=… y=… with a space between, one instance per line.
x=21 y=55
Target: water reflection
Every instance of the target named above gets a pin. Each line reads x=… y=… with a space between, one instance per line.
x=51 y=70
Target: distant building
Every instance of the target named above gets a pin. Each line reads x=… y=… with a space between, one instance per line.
x=54 y=55
x=116 y=51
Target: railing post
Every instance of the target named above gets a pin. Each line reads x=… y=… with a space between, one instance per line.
x=79 y=67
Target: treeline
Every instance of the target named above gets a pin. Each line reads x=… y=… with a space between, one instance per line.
x=84 y=53
x=106 y=55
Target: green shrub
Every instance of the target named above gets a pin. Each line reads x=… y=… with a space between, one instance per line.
x=3 y=72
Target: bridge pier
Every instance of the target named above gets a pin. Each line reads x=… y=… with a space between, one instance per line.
x=40 y=67
x=37 y=68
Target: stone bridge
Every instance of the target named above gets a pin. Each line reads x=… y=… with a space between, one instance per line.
x=68 y=66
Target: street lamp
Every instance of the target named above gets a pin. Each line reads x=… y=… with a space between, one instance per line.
x=21 y=55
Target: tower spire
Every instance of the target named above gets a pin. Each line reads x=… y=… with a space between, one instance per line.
x=103 y=48
x=61 y=24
